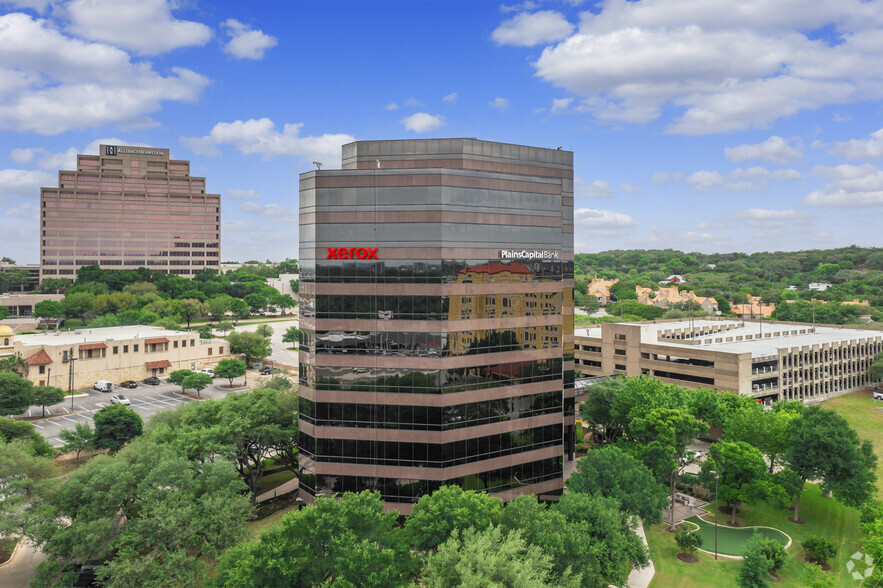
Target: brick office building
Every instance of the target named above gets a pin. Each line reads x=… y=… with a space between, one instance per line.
x=437 y=319
x=126 y=208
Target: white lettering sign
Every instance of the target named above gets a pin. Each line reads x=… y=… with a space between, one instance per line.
x=528 y=254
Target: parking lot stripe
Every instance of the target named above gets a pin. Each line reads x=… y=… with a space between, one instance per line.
x=38 y=426
x=67 y=419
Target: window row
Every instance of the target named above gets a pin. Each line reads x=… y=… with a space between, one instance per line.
x=431 y=307
x=428 y=418
x=430 y=381
x=409 y=490
x=335 y=271
x=432 y=455
x=412 y=344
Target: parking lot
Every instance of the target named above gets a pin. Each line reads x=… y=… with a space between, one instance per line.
x=145 y=400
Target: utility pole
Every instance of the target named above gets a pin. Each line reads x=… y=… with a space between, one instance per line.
x=70 y=378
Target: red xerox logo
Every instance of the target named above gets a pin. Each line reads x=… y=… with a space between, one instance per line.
x=352 y=253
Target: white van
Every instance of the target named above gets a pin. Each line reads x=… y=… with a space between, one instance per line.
x=103 y=386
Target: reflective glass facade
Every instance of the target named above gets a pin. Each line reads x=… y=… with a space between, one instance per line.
x=448 y=357
x=125 y=208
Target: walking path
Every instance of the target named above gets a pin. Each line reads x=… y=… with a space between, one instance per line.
x=289 y=486
x=18 y=571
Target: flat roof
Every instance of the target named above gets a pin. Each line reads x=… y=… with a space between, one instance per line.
x=776 y=335
x=97 y=335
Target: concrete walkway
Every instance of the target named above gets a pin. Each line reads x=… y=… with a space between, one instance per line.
x=281 y=353
x=642 y=578
x=289 y=486
x=18 y=571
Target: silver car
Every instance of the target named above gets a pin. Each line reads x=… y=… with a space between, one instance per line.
x=119 y=399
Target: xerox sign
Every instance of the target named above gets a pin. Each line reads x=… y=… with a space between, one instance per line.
x=352 y=253
x=528 y=254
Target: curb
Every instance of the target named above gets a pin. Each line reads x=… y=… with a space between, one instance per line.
x=14 y=551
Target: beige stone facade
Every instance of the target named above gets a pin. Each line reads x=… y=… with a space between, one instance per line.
x=113 y=353
x=768 y=360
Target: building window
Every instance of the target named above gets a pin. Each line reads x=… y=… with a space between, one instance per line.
x=619 y=337
x=620 y=367
x=6 y=342
x=209 y=350
x=125 y=348
x=619 y=351
x=116 y=349
x=135 y=348
x=42 y=369
x=175 y=345
x=192 y=342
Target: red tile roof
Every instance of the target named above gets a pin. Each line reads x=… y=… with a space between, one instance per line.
x=156 y=340
x=154 y=365
x=93 y=346
x=39 y=358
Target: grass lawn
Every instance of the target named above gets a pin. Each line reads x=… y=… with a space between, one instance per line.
x=256 y=527
x=824 y=516
x=732 y=541
x=858 y=409
x=270 y=481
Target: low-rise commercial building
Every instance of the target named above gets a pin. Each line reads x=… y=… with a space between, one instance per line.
x=768 y=360
x=23 y=304
x=113 y=353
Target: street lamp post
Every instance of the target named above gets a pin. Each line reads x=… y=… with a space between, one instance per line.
x=70 y=382
x=715 y=512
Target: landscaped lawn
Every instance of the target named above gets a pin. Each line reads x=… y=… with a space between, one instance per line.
x=858 y=409
x=270 y=481
x=732 y=541
x=823 y=516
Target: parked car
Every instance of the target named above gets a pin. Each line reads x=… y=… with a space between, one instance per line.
x=267 y=370
x=152 y=380
x=103 y=386
x=119 y=399
x=129 y=384
x=208 y=371
x=878 y=394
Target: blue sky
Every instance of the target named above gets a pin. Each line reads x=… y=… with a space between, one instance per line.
x=707 y=126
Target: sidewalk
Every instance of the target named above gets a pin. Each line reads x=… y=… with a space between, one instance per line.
x=18 y=571
x=289 y=486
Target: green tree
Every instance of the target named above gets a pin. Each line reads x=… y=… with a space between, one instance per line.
x=597 y=410
x=49 y=309
x=178 y=376
x=265 y=331
x=255 y=301
x=347 y=541
x=4 y=312
x=490 y=557
x=78 y=439
x=612 y=473
x=291 y=335
x=767 y=430
x=77 y=304
x=151 y=515
x=16 y=393
x=27 y=480
x=191 y=309
x=876 y=370
x=53 y=285
x=249 y=344
x=295 y=286
x=825 y=447
x=230 y=368
x=219 y=306
x=47 y=396
x=225 y=327
x=116 y=425
x=240 y=310
x=609 y=533
x=436 y=515
x=12 y=430
x=661 y=439
x=760 y=558
x=815 y=577
x=819 y=549
x=198 y=382
x=284 y=301
x=742 y=476
x=688 y=540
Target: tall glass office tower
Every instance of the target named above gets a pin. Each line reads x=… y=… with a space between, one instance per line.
x=437 y=319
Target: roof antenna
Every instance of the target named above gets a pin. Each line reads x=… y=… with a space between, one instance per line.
x=318 y=165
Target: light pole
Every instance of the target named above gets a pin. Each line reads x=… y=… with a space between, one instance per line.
x=716 y=507
x=70 y=383
x=246 y=364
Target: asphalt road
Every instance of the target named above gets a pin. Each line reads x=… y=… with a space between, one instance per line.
x=145 y=400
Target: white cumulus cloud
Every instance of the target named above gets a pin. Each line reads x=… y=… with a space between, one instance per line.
x=851 y=186
x=51 y=83
x=499 y=103
x=246 y=42
x=242 y=194
x=560 y=104
x=26 y=183
x=603 y=222
x=526 y=29
x=146 y=27
x=870 y=148
x=423 y=122
x=260 y=137
x=725 y=67
x=704 y=180
x=595 y=189
x=775 y=150
x=391 y=106
x=450 y=98
x=664 y=177
x=764 y=218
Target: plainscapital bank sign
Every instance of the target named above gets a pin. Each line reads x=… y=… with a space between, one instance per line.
x=528 y=254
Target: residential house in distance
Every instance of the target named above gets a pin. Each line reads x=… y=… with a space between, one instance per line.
x=820 y=286
x=112 y=353
x=857 y=302
x=754 y=309
x=674 y=279
x=600 y=289
x=671 y=296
